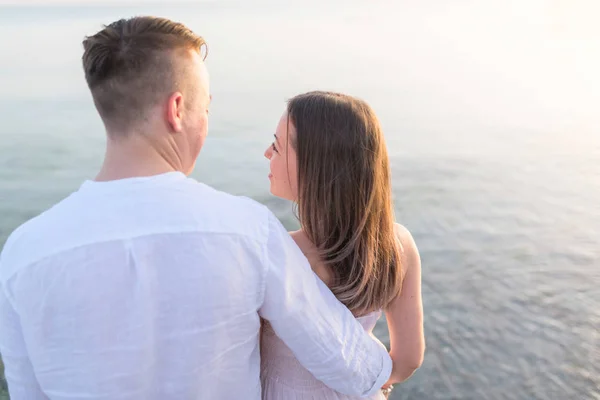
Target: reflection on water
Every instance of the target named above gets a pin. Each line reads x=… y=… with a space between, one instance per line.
x=511 y=266
x=504 y=203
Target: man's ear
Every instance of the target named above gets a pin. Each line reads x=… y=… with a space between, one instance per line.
x=175 y=109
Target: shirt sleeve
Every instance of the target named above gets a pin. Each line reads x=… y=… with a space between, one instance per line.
x=321 y=332
x=22 y=384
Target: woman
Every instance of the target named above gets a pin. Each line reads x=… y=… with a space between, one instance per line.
x=329 y=157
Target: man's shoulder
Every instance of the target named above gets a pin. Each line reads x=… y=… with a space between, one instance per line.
x=246 y=203
x=29 y=232
x=231 y=204
x=222 y=212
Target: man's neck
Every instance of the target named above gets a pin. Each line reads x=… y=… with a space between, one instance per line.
x=133 y=158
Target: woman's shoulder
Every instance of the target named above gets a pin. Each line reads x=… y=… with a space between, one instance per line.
x=307 y=247
x=311 y=252
x=408 y=247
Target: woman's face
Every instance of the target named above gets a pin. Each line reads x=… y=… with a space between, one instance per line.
x=284 y=167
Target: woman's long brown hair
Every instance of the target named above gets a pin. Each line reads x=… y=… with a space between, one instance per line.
x=344 y=197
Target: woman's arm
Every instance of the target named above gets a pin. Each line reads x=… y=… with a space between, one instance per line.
x=405 y=315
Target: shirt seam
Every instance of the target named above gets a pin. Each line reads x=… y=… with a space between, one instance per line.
x=127 y=238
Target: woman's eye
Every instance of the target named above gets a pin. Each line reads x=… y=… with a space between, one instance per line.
x=274 y=148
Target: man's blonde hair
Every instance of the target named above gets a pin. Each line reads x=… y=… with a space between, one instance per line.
x=132 y=63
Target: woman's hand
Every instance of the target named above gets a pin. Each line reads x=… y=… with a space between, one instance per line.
x=386 y=390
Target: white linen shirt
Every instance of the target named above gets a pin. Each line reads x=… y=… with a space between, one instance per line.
x=153 y=288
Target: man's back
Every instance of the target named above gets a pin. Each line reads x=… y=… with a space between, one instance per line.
x=145 y=288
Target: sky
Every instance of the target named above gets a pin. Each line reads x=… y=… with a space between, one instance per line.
x=518 y=60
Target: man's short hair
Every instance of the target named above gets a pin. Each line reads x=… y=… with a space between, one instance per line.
x=133 y=63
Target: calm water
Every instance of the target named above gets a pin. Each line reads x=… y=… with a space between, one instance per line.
x=494 y=141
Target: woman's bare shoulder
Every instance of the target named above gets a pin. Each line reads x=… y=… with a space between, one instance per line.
x=312 y=254
x=301 y=240
x=410 y=252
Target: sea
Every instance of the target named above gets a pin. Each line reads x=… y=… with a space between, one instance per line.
x=491 y=117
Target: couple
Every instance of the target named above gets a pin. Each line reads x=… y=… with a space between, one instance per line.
x=146 y=284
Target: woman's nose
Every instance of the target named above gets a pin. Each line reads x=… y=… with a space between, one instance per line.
x=268 y=153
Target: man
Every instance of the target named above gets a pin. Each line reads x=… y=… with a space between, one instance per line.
x=145 y=284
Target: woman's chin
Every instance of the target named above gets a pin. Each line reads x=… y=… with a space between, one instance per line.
x=275 y=193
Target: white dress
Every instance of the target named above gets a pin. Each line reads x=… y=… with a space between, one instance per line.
x=284 y=378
